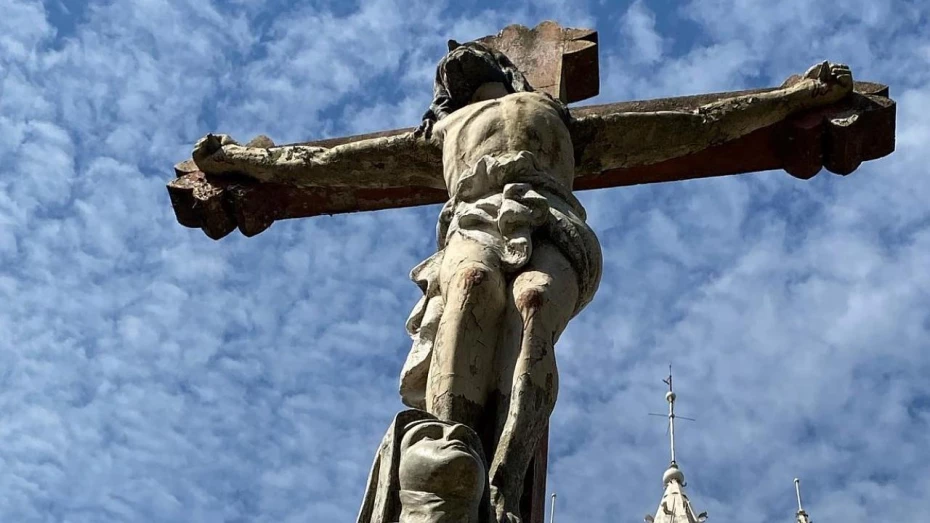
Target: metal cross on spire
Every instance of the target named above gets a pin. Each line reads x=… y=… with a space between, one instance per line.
x=670 y=397
x=675 y=506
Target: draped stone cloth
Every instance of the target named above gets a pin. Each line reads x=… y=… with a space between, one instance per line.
x=503 y=202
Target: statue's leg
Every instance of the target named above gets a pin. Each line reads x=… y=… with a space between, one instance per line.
x=460 y=373
x=542 y=301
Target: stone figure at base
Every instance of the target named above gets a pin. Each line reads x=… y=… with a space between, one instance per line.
x=427 y=471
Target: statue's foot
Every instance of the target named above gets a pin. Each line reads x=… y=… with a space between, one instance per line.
x=503 y=511
x=832 y=81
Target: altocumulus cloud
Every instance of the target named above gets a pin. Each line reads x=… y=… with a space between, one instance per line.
x=150 y=374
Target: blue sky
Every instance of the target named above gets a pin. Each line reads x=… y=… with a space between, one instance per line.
x=151 y=374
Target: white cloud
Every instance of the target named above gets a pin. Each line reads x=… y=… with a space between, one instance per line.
x=23 y=28
x=639 y=26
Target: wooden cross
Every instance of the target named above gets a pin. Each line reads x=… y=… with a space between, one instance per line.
x=563 y=63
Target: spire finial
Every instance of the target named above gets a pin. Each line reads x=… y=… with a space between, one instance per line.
x=670 y=397
x=673 y=471
x=802 y=516
x=552 y=510
x=675 y=506
x=797 y=488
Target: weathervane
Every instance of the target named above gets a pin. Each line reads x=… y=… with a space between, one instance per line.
x=670 y=397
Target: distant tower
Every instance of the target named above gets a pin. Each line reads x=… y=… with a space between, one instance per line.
x=675 y=506
x=802 y=516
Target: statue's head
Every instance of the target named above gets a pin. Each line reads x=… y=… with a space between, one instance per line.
x=444 y=459
x=467 y=67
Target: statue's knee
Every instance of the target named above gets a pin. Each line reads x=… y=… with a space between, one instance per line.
x=472 y=277
x=478 y=284
x=530 y=300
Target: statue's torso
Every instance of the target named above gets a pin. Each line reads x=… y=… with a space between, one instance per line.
x=528 y=122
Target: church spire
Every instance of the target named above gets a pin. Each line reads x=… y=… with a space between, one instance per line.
x=675 y=506
x=802 y=516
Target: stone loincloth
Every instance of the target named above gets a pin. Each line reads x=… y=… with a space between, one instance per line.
x=502 y=202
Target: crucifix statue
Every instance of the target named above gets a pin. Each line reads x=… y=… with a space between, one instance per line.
x=515 y=260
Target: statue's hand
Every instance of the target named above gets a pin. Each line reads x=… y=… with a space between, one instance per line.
x=209 y=145
x=830 y=81
x=425 y=129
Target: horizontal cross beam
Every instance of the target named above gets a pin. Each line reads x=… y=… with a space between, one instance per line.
x=838 y=137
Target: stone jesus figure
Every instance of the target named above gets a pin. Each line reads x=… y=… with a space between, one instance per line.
x=516 y=260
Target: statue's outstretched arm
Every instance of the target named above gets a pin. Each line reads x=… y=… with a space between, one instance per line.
x=393 y=161
x=641 y=138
